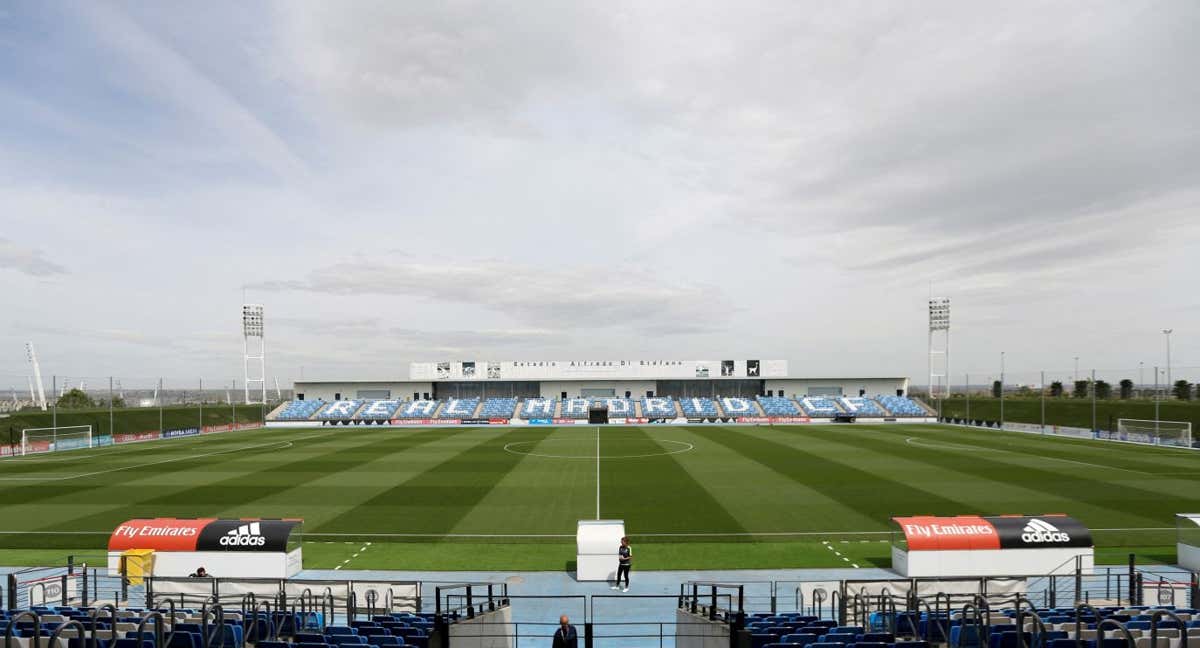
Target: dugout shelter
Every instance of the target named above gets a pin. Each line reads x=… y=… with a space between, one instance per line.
x=176 y=547
x=1002 y=545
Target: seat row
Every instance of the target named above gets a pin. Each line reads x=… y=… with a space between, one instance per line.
x=577 y=408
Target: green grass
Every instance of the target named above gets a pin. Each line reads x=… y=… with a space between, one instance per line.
x=418 y=495
x=1073 y=412
x=130 y=420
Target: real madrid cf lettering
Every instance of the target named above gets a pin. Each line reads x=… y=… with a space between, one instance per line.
x=972 y=545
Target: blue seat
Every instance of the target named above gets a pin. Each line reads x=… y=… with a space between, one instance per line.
x=854 y=630
x=844 y=638
x=761 y=639
x=800 y=638
x=132 y=643
x=372 y=631
x=340 y=630
x=181 y=639
x=386 y=640
x=965 y=636
x=878 y=637
x=1009 y=639
x=76 y=642
x=345 y=639
x=312 y=644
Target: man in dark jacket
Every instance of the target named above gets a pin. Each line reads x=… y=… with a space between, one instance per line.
x=565 y=636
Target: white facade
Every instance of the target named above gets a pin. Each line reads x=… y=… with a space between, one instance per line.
x=228 y=564
x=574 y=388
x=404 y=390
x=871 y=387
x=991 y=562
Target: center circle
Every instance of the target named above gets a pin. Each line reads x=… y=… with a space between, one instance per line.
x=515 y=447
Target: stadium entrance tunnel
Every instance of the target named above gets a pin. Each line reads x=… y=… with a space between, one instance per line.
x=598 y=414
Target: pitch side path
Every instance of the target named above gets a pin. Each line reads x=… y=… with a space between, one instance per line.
x=508 y=498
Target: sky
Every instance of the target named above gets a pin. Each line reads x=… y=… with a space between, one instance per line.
x=420 y=181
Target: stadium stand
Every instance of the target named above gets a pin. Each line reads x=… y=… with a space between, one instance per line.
x=861 y=406
x=498 y=408
x=457 y=408
x=538 y=408
x=901 y=406
x=1054 y=628
x=661 y=406
x=340 y=410
x=818 y=406
x=418 y=409
x=699 y=407
x=299 y=410
x=778 y=406
x=575 y=408
x=618 y=407
x=738 y=407
x=378 y=410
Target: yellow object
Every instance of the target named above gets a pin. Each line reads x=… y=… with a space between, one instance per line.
x=136 y=564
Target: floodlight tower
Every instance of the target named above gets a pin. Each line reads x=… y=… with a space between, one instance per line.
x=40 y=401
x=939 y=347
x=254 y=354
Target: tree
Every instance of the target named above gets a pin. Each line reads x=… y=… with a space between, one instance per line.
x=1103 y=390
x=1056 y=389
x=118 y=402
x=75 y=399
x=1126 y=389
x=1081 y=389
x=1182 y=390
x=997 y=388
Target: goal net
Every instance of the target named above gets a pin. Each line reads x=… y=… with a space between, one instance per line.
x=1172 y=433
x=55 y=439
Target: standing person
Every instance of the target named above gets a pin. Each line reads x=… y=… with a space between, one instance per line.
x=624 y=560
x=565 y=636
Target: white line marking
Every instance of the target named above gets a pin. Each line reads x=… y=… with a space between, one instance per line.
x=282 y=445
x=508 y=447
x=1025 y=455
x=117 y=448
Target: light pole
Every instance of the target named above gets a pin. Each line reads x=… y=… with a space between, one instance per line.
x=1075 y=376
x=1001 y=390
x=1167 y=333
x=1141 y=382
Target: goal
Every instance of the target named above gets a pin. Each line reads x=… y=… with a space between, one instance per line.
x=55 y=439
x=1172 y=433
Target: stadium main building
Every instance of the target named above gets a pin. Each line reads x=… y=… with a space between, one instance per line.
x=562 y=391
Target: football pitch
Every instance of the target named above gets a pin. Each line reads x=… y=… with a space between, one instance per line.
x=692 y=497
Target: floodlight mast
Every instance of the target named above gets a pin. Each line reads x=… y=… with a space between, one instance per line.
x=254 y=354
x=40 y=401
x=939 y=348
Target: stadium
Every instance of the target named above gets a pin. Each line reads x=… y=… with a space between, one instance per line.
x=363 y=325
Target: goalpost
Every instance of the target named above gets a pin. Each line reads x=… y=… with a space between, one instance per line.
x=55 y=439
x=1173 y=433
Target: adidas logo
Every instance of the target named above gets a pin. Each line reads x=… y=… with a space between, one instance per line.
x=1042 y=531
x=246 y=535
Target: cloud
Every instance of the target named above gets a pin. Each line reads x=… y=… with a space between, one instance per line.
x=165 y=75
x=567 y=297
x=27 y=260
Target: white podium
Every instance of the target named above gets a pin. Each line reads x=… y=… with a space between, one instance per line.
x=596 y=555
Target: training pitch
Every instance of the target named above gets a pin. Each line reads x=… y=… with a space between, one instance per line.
x=508 y=498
